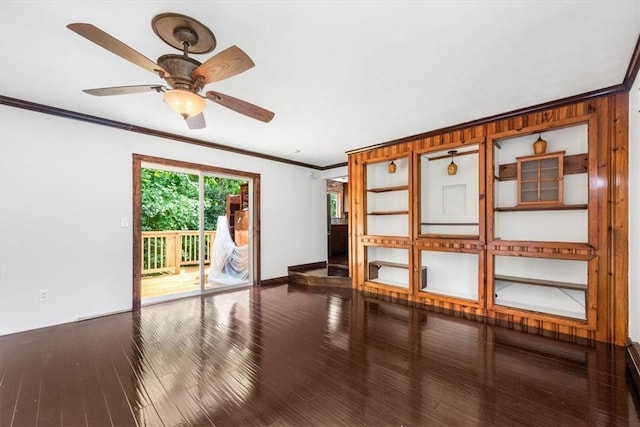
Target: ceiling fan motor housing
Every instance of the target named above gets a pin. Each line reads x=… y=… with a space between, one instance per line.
x=180 y=68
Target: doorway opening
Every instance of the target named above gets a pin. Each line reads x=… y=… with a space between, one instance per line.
x=337 y=228
x=193 y=230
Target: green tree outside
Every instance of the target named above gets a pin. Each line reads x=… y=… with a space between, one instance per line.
x=170 y=200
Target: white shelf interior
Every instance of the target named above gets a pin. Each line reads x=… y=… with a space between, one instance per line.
x=544 y=299
x=451 y=273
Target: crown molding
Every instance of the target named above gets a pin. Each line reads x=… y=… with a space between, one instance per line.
x=46 y=109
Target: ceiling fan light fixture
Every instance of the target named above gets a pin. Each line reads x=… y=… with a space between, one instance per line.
x=184 y=102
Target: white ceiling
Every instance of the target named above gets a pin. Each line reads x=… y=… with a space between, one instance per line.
x=339 y=75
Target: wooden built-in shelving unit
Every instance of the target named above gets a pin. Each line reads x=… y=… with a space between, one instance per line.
x=479 y=234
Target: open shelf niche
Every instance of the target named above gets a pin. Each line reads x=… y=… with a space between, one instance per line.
x=388 y=266
x=551 y=286
x=388 y=197
x=452 y=274
x=449 y=201
x=563 y=214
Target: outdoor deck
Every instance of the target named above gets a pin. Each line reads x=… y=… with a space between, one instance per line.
x=168 y=284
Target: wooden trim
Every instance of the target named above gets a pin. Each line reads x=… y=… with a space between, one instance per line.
x=619 y=209
x=448 y=156
x=379 y=264
x=398 y=289
x=450 y=243
x=634 y=66
x=137 y=160
x=275 y=281
x=450 y=223
x=257 y=227
x=136 y=226
x=336 y=165
x=68 y=114
x=389 y=213
x=540 y=249
x=633 y=363
x=538 y=207
x=387 y=189
x=532 y=316
x=306 y=267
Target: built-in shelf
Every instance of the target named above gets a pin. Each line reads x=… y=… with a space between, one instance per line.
x=449 y=236
x=374 y=266
x=379 y=264
x=540 y=282
x=550 y=207
x=389 y=213
x=387 y=189
x=449 y=223
x=502 y=282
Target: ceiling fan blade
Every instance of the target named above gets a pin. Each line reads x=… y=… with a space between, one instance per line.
x=225 y=64
x=240 y=106
x=124 y=90
x=196 y=122
x=99 y=37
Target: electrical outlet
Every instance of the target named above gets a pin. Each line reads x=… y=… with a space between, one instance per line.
x=43 y=294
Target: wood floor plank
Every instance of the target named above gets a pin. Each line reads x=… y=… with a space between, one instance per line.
x=27 y=400
x=281 y=356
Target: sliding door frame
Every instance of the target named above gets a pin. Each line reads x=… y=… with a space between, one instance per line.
x=254 y=206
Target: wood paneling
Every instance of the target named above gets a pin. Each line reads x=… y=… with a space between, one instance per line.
x=606 y=250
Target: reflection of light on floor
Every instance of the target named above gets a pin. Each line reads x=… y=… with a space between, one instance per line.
x=335 y=313
x=205 y=347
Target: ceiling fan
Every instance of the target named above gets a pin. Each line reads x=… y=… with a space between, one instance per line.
x=185 y=76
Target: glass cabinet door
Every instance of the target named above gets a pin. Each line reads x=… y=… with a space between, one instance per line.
x=540 y=179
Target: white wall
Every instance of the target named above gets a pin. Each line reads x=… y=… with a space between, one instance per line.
x=634 y=212
x=64 y=186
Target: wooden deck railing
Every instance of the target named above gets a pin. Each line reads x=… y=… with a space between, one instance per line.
x=167 y=251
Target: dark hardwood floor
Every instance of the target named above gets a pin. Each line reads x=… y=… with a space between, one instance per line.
x=284 y=356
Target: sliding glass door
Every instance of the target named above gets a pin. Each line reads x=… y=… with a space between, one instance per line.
x=195 y=232
x=227 y=214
